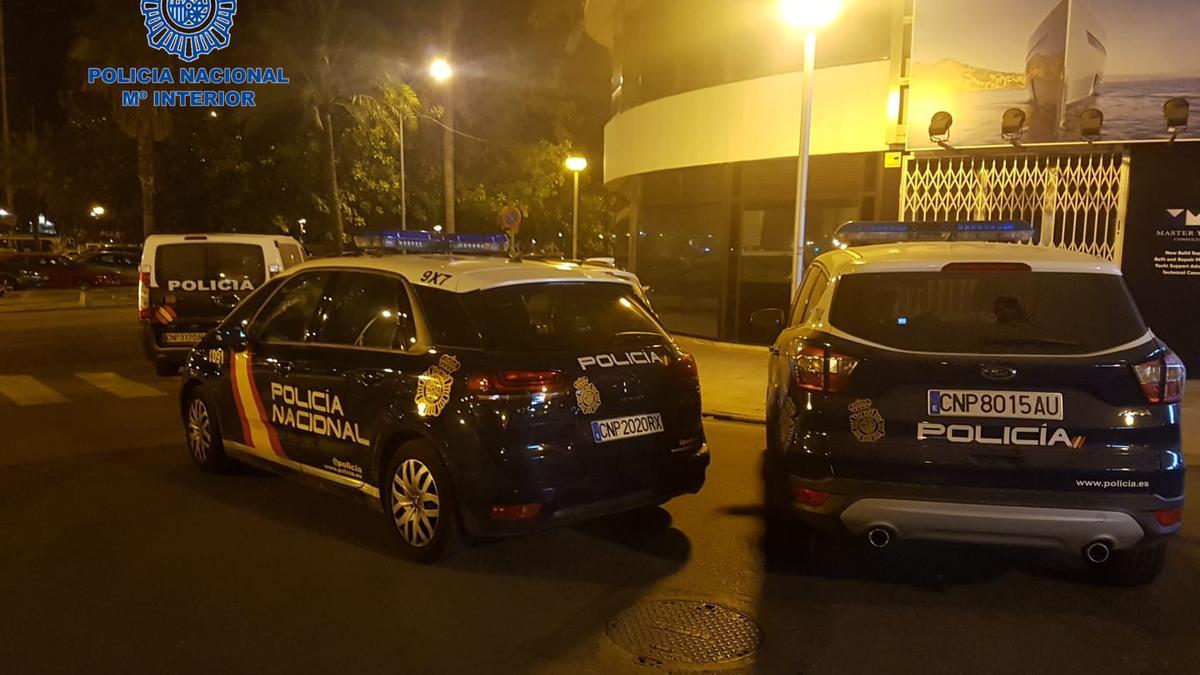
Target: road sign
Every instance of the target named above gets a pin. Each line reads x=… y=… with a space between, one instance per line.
x=511 y=218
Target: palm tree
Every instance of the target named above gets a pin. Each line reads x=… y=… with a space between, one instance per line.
x=327 y=52
x=394 y=108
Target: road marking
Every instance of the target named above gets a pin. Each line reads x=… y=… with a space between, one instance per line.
x=119 y=386
x=26 y=390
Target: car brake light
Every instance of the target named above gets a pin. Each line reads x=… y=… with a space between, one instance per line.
x=515 y=382
x=516 y=511
x=144 y=295
x=1169 y=517
x=802 y=496
x=1162 y=379
x=819 y=369
x=686 y=365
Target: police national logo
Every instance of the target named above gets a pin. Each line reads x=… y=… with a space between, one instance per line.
x=188 y=29
x=587 y=396
x=866 y=422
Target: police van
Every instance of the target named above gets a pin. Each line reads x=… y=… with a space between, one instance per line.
x=464 y=396
x=188 y=283
x=945 y=382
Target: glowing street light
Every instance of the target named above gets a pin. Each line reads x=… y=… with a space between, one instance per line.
x=98 y=211
x=441 y=70
x=809 y=16
x=576 y=165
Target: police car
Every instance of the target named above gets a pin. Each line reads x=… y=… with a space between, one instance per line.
x=464 y=396
x=941 y=382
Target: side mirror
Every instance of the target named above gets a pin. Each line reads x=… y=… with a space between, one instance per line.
x=767 y=319
x=238 y=340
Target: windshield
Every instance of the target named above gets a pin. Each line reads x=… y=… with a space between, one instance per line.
x=568 y=317
x=988 y=312
x=208 y=267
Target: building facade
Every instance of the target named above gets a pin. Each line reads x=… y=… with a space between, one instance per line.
x=706 y=117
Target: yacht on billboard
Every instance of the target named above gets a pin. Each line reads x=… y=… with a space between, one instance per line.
x=1066 y=59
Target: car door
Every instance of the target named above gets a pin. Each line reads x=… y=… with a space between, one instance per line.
x=274 y=413
x=362 y=365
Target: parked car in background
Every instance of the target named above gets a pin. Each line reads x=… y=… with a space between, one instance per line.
x=120 y=264
x=20 y=271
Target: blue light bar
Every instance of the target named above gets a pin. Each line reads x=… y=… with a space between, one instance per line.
x=478 y=243
x=861 y=233
x=420 y=241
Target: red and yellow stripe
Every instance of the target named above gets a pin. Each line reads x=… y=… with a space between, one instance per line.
x=257 y=432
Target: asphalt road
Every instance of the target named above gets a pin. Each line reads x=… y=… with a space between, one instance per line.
x=116 y=556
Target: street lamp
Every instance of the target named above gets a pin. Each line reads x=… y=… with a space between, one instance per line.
x=576 y=165
x=809 y=16
x=441 y=71
x=98 y=212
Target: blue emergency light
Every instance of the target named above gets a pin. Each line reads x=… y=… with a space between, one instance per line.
x=420 y=241
x=861 y=233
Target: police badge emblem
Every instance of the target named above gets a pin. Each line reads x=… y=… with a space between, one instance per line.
x=587 y=396
x=188 y=29
x=866 y=422
x=434 y=385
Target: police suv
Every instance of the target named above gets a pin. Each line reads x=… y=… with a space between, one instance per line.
x=463 y=396
x=942 y=382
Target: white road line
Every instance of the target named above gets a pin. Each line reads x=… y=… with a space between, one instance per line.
x=119 y=386
x=26 y=390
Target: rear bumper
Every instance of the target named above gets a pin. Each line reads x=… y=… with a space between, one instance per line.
x=585 y=500
x=1031 y=526
x=1030 y=518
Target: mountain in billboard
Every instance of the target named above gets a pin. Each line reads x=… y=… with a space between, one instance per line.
x=961 y=77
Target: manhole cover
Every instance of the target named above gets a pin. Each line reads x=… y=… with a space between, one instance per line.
x=684 y=632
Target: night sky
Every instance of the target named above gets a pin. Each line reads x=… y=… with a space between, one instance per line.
x=39 y=34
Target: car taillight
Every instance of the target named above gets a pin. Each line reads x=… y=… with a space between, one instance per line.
x=1162 y=379
x=819 y=369
x=144 y=296
x=686 y=366
x=1169 y=517
x=515 y=382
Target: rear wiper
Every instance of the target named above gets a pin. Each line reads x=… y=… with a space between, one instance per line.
x=1028 y=342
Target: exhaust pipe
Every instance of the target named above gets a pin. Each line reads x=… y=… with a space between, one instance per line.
x=879 y=537
x=1097 y=552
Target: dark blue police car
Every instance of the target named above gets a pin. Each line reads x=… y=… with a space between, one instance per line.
x=467 y=396
x=945 y=382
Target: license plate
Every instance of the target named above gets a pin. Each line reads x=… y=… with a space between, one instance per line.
x=1021 y=405
x=182 y=338
x=604 y=431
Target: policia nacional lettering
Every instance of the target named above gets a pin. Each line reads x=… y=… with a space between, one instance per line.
x=315 y=412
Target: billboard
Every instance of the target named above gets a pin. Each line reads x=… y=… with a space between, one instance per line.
x=1053 y=59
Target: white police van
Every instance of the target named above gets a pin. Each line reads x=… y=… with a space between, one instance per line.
x=188 y=283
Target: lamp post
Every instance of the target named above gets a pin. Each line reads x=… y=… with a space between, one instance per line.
x=441 y=71
x=576 y=165
x=809 y=16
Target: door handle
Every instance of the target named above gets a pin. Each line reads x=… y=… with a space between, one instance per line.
x=369 y=378
x=282 y=367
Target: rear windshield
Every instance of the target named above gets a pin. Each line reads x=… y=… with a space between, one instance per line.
x=565 y=317
x=209 y=267
x=988 y=312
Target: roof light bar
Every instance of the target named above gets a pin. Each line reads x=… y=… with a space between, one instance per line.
x=861 y=233
x=420 y=241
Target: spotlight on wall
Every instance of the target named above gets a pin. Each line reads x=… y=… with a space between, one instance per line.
x=1012 y=126
x=939 y=128
x=1090 y=123
x=1176 y=112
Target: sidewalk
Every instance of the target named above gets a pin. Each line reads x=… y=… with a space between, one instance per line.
x=57 y=300
x=733 y=383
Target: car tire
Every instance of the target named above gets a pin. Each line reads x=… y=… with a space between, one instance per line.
x=203 y=435
x=1132 y=567
x=419 y=503
x=166 y=369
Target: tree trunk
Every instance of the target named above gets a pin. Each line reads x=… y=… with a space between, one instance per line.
x=145 y=156
x=334 y=196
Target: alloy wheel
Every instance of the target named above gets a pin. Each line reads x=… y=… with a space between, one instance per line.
x=199 y=430
x=416 y=506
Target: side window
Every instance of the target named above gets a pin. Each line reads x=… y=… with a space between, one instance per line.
x=288 y=315
x=368 y=310
x=290 y=255
x=447 y=318
x=245 y=311
x=801 y=305
x=818 y=290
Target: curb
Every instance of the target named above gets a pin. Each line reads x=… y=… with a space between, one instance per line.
x=61 y=308
x=733 y=417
